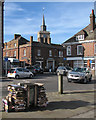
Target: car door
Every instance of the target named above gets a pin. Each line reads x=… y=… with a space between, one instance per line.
x=20 y=72
x=26 y=72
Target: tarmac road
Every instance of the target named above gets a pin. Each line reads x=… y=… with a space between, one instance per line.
x=50 y=82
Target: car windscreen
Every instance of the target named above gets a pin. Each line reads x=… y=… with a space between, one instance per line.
x=76 y=70
x=68 y=68
x=12 y=70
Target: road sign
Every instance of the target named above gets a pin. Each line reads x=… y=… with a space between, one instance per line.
x=90 y=61
x=6 y=59
x=64 y=58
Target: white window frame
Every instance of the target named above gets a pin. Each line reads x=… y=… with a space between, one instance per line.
x=80 y=37
x=50 y=53
x=24 y=52
x=38 y=52
x=67 y=50
x=94 y=48
x=14 y=44
x=14 y=53
x=60 y=53
x=78 y=50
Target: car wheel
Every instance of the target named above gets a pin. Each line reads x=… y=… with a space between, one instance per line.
x=85 y=80
x=68 y=80
x=31 y=76
x=17 y=77
x=90 y=78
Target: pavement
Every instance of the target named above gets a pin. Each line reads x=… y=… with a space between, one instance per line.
x=77 y=104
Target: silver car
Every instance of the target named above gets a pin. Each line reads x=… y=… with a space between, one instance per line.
x=63 y=69
x=19 y=73
x=80 y=75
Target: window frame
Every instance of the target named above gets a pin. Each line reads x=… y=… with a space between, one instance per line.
x=50 y=53
x=15 y=53
x=60 y=53
x=79 y=37
x=78 y=49
x=24 y=52
x=95 y=48
x=14 y=44
x=67 y=51
x=38 y=52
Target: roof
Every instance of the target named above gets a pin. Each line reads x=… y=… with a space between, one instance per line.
x=39 y=44
x=89 y=34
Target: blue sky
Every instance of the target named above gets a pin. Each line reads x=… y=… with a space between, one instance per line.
x=63 y=19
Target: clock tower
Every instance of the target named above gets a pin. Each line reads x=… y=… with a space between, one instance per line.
x=43 y=35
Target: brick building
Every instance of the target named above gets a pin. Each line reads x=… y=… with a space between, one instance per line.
x=42 y=52
x=81 y=48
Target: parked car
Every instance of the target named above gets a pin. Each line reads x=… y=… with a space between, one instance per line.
x=63 y=69
x=38 y=69
x=80 y=75
x=19 y=73
x=31 y=69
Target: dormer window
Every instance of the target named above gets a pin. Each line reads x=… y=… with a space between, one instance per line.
x=80 y=37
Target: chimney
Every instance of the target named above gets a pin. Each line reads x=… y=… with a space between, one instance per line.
x=16 y=36
x=31 y=39
x=92 y=20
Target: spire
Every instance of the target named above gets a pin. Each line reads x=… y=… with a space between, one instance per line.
x=43 y=22
x=43 y=26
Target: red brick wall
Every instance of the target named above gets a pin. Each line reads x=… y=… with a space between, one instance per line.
x=88 y=49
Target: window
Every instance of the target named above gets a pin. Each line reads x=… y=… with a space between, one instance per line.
x=38 y=53
x=79 y=50
x=68 y=50
x=60 y=53
x=50 y=53
x=14 y=53
x=24 y=52
x=14 y=44
x=80 y=37
x=95 y=48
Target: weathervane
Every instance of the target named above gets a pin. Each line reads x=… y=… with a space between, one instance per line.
x=43 y=10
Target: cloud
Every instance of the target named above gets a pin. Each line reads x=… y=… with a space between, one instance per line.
x=11 y=8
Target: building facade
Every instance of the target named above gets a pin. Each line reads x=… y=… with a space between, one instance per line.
x=41 y=52
x=81 y=48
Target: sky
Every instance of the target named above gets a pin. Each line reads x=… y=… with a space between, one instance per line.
x=63 y=19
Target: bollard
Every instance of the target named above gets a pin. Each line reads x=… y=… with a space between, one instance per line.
x=60 y=84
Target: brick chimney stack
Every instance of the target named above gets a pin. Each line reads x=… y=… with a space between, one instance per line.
x=31 y=39
x=16 y=36
x=92 y=20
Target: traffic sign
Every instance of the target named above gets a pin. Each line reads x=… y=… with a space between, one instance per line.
x=6 y=59
x=90 y=61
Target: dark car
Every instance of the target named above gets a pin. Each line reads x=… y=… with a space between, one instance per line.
x=38 y=69
x=32 y=69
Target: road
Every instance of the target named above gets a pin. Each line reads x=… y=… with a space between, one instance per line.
x=50 y=82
